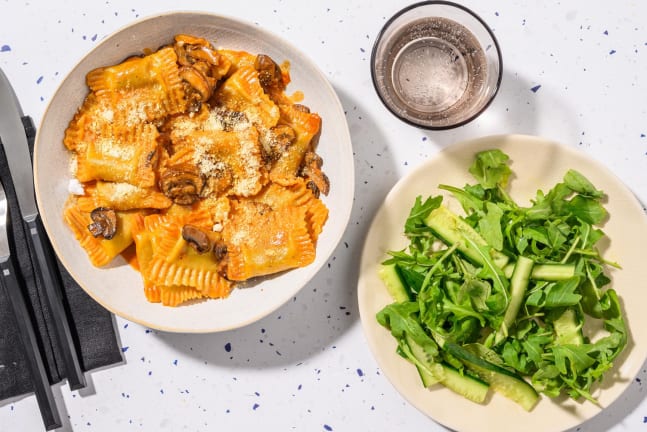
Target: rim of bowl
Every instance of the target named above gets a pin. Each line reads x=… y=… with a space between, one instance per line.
x=379 y=40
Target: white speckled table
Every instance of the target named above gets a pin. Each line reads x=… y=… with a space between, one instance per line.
x=574 y=72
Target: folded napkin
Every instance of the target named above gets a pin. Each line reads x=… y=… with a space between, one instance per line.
x=91 y=325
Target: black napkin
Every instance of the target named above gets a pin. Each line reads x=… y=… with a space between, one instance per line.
x=91 y=324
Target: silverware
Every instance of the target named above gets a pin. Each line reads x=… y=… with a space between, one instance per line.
x=14 y=140
x=14 y=291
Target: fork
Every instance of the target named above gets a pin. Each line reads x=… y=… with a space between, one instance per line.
x=11 y=284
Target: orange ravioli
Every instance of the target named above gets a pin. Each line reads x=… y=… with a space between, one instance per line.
x=141 y=89
x=120 y=156
x=306 y=126
x=297 y=195
x=122 y=196
x=101 y=251
x=242 y=92
x=262 y=241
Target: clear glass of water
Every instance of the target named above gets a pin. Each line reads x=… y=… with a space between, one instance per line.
x=436 y=65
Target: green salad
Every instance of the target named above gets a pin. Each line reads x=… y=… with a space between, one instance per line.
x=506 y=297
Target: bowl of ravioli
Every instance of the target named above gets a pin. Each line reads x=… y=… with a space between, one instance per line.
x=194 y=172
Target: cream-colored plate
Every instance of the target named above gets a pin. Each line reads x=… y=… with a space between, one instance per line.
x=537 y=164
x=119 y=287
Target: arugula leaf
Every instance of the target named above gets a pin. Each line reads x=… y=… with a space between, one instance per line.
x=490 y=226
x=400 y=319
x=490 y=168
x=415 y=222
x=587 y=209
x=580 y=184
x=563 y=293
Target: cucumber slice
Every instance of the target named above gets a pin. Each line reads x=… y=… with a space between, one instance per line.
x=509 y=384
x=568 y=331
x=394 y=283
x=518 y=285
x=546 y=272
x=467 y=386
x=432 y=373
x=453 y=230
x=426 y=370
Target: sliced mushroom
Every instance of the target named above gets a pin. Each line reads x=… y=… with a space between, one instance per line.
x=182 y=184
x=197 y=81
x=302 y=108
x=269 y=73
x=311 y=170
x=197 y=238
x=313 y=188
x=104 y=223
x=220 y=250
x=203 y=53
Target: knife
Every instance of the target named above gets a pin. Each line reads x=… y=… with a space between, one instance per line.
x=14 y=140
x=11 y=284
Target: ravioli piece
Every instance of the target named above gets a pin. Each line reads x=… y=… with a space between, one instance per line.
x=262 y=241
x=242 y=92
x=122 y=196
x=297 y=195
x=306 y=126
x=120 y=156
x=140 y=89
x=100 y=250
x=169 y=260
x=229 y=158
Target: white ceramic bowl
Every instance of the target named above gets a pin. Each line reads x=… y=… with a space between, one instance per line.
x=118 y=287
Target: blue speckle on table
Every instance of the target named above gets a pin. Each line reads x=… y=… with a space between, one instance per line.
x=612 y=52
x=360 y=372
x=126 y=325
x=255 y=406
x=606 y=32
x=124 y=349
x=94 y=38
x=39 y=80
x=175 y=362
x=642 y=135
x=644 y=419
x=5 y=48
x=228 y=347
x=535 y=88
x=496 y=13
x=328 y=428
x=161 y=391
